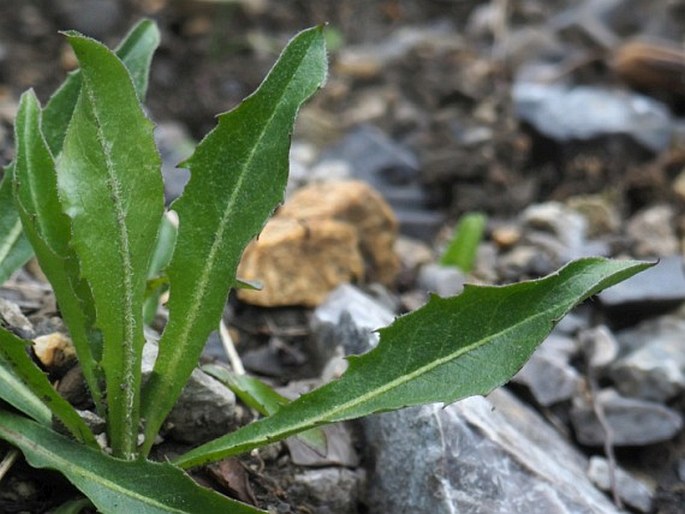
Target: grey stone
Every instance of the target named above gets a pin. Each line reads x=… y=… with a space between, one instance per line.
x=333 y=490
x=600 y=346
x=349 y=318
x=95 y=18
x=548 y=374
x=205 y=410
x=14 y=320
x=567 y=225
x=653 y=233
x=632 y=491
x=175 y=145
x=632 y=422
x=525 y=259
x=441 y=280
x=663 y=284
x=654 y=365
x=339 y=450
x=390 y=168
x=587 y=112
x=490 y=455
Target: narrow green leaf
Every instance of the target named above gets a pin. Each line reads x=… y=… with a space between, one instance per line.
x=15 y=249
x=447 y=350
x=164 y=248
x=15 y=392
x=238 y=176
x=264 y=399
x=135 y=51
x=49 y=230
x=115 y=486
x=14 y=351
x=73 y=506
x=111 y=187
x=461 y=251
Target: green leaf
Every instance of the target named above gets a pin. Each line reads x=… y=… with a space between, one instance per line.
x=462 y=250
x=135 y=51
x=115 y=486
x=14 y=352
x=15 y=392
x=447 y=350
x=111 y=187
x=73 y=506
x=264 y=399
x=164 y=248
x=238 y=176
x=49 y=230
x=15 y=249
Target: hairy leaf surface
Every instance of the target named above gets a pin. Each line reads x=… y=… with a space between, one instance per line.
x=115 y=486
x=447 y=350
x=238 y=176
x=15 y=249
x=49 y=230
x=111 y=187
x=14 y=353
x=135 y=51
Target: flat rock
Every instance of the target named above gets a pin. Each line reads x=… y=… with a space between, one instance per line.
x=390 y=168
x=348 y=318
x=565 y=224
x=633 y=422
x=299 y=263
x=653 y=367
x=653 y=233
x=490 y=455
x=441 y=280
x=588 y=112
x=331 y=490
x=631 y=490
x=548 y=374
x=360 y=206
x=661 y=285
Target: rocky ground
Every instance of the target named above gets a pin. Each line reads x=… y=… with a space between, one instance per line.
x=562 y=121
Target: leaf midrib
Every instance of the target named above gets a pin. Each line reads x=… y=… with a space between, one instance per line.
x=330 y=414
x=83 y=472
x=200 y=291
x=128 y=342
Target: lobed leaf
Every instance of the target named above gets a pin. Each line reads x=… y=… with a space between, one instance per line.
x=115 y=486
x=15 y=249
x=111 y=187
x=238 y=176
x=14 y=353
x=264 y=399
x=447 y=350
x=49 y=231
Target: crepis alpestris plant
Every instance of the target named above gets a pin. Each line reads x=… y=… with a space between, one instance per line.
x=85 y=194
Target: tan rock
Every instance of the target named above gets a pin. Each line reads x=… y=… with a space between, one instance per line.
x=54 y=350
x=300 y=262
x=358 y=204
